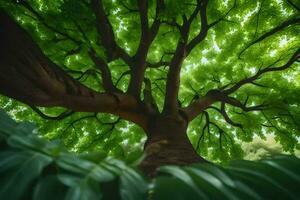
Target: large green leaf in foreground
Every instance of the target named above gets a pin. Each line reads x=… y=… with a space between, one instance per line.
x=34 y=168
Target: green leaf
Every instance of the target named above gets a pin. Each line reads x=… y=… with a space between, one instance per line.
x=236 y=187
x=85 y=168
x=86 y=189
x=49 y=188
x=211 y=184
x=164 y=187
x=262 y=182
x=132 y=185
x=28 y=167
x=184 y=177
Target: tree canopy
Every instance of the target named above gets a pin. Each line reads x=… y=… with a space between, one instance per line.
x=231 y=67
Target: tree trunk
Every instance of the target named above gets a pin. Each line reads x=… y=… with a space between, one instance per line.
x=167 y=144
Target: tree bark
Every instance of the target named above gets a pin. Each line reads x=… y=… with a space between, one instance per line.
x=29 y=76
x=167 y=144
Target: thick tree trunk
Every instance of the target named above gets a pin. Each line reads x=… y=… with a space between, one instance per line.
x=168 y=143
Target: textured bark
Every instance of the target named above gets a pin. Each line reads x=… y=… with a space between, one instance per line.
x=26 y=74
x=168 y=144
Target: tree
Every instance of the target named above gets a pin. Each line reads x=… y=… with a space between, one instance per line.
x=227 y=66
x=258 y=149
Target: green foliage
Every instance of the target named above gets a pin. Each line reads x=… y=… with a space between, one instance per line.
x=212 y=64
x=34 y=168
x=260 y=149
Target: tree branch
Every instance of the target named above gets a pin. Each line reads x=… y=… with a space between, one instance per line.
x=223 y=17
x=100 y=64
x=147 y=37
x=158 y=64
x=234 y=102
x=204 y=27
x=58 y=117
x=293 y=5
x=251 y=79
x=105 y=72
x=206 y=126
x=148 y=98
x=27 y=75
x=212 y=96
x=106 y=33
x=104 y=133
x=143 y=10
x=78 y=120
x=122 y=75
x=173 y=77
x=199 y=105
x=223 y=112
x=130 y=10
x=271 y=32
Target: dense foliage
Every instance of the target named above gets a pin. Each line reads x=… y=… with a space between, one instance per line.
x=34 y=168
x=246 y=37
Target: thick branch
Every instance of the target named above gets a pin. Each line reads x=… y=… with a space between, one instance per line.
x=148 y=98
x=143 y=10
x=212 y=96
x=173 y=77
x=147 y=36
x=27 y=75
x=181 y=52
x=100 y=64
x=106 y=33
x=204 y=28
x=199 y=105
x=105 y=72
